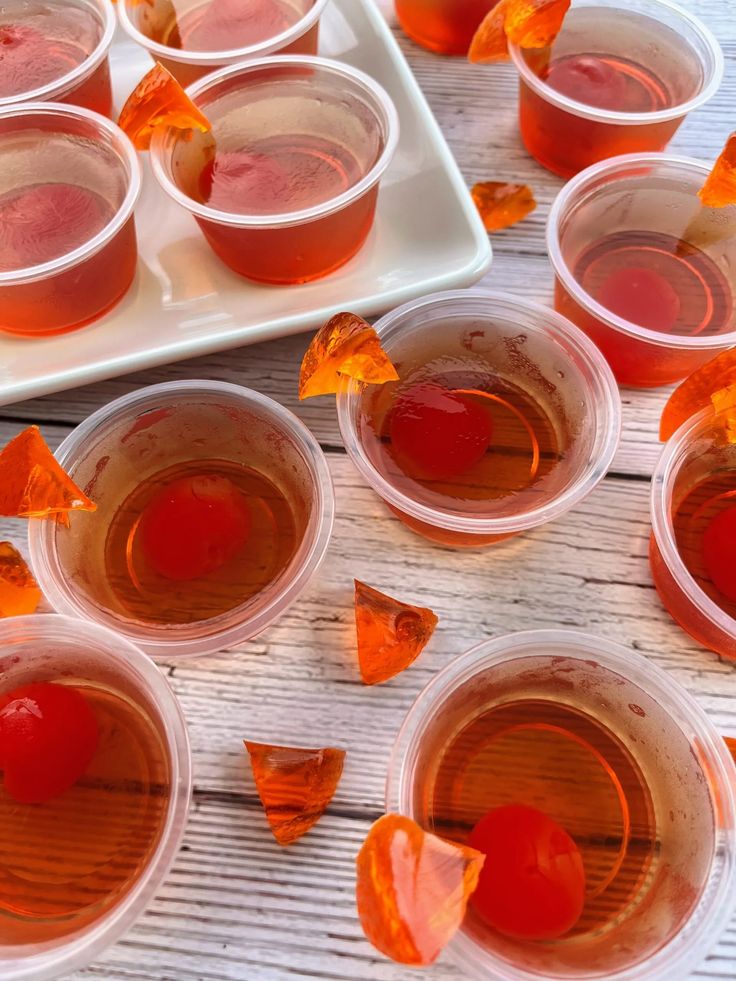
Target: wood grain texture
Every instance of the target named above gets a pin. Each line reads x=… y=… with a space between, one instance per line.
x=235 y=906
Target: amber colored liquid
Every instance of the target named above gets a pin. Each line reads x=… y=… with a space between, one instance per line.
x=562 y=761
x=278 y=175
x=607 y=60
x=152 y=598
x=222 y=25
x=63 y=862
x=692 y=519
x=444 y=26
x=703 y=292
x=525 y=446
x=41 y=42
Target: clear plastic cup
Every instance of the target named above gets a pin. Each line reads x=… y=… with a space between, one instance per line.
x=145 y=433
x=674 y=913
x=318 y=136
x=699 y=450
x=88 y=83
x=149 y=25
x=50 y=284
x=642 y=210
x=526 y=345
x=46 y=648
x=644 y=36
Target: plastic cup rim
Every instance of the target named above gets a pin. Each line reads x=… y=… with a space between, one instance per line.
x=226 y=629
x=640 y=671
x=626 y=161
x=449 y=520
x=76 y=950
x=60 y=85
x=44 y=270
x=613 y=117
x=204 y=58
x=269 y=221
x=663 y=528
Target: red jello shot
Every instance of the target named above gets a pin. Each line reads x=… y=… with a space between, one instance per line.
x=693 y=544
x=503 y=418
x=69 y=181
x=95 y=783
x=193 y=38
x=643 y=268
x=56 y=51
x=285 y=186
x=620 y=78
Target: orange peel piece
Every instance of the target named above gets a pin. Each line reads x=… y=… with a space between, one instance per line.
x=159 y=100
x=345 y=345
x=526 y=23
x=19 y=592
x=295 y=785
x=33 y=485
x=391 y=634
x=413 y=889
x=501 y=205
x=697 y=391
x=719 y=189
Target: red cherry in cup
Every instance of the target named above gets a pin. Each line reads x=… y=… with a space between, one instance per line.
x=48 y=737
x=532 y=885
x=193 y=526
x=438 y=433
x=719 y=552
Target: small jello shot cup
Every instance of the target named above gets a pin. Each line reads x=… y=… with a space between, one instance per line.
x=57 y=51
x=643 y=268
x=693 y=541
x=214 y=510
x=69 y=181
x=94 y=792
x=583 y=754
x=285 y=186
x=504 y=416
x=620 y=78
x=193 y=38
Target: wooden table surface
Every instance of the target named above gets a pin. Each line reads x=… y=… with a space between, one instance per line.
x=236 y=906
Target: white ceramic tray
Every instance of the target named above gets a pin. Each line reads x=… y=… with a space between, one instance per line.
x=184 y=302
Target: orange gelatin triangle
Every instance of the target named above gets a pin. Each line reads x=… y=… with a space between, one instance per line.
x=535 y=23
x=413 y=889
x=501 y=205
x=526 y=23
x=19 y=592
x=391 y=634
x=724 y=402
x=489 y=42
x=295 y=785
x=697 y=391
x=159 y=100
x=346 y=345
x=719 y=189
x=33 y=485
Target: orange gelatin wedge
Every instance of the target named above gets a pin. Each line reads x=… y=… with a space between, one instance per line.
x=719 y=189
x=697 y=391
x=724 y=402
x=19 y=592
x=526 y=23
x=346 y=345
x=159 y=100
x=489 y=42
x=33 y=485
x=413 y=889
x=295 y=785
x=501 y=205
x=391 y=634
